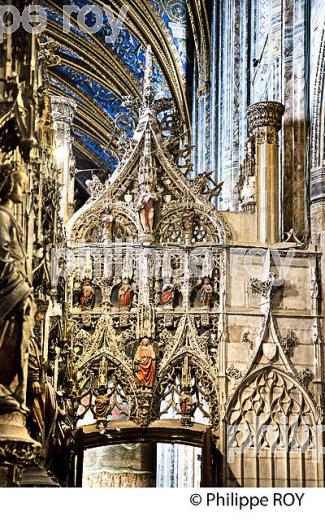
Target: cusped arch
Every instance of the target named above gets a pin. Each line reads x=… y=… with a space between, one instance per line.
x=206 y=225
x=124 y=380
x=205 y=383
x=89 y=226
x=270 y=397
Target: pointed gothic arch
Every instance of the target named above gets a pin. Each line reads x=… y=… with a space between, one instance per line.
x=272 y=431
x=318 y=121
x=202 y=387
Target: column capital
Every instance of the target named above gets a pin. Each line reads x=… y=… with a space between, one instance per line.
x=317 y=184
x=63 y=109
x=265 y=113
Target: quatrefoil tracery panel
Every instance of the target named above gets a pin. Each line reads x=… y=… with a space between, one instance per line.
x=171 y=230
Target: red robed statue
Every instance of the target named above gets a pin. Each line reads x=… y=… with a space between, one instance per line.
x=125 y=294
x=168 y=295
x=145 y=364
x=146 y=208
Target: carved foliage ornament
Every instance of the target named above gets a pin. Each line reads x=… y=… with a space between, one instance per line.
x=263 y=114
x=63 y=109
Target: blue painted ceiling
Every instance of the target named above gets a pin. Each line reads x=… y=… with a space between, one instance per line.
x=98 y=74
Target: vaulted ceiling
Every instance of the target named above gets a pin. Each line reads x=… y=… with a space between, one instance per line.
x=98 y=73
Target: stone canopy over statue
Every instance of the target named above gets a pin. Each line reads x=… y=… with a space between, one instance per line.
x=16 y=304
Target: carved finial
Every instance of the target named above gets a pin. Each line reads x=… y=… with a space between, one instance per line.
x=186 y=380
x=94 y=186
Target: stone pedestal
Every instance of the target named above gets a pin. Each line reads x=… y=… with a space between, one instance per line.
x=37 y=477
x=146 y=238
x=17 y=449
x=120 y=466
x=264 y=121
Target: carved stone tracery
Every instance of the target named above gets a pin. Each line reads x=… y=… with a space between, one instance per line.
x=268 y=398
x=193 y=276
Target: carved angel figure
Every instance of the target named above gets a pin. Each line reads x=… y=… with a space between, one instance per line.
x=16 y=303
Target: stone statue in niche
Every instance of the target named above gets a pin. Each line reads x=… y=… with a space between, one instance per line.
x=186 y=401
x=87 y=296
x=41 y=399
x=188 y=220
x=168 y=296
x=206 y=293
x=77 y=285
x=188 y=224
x=103 y=399
x=186 y=406
x=145 y=364
x=102 y=406
x=125 y=294
x=146 y=208
x=16 y=303
x=103 y=403
x=107 y=221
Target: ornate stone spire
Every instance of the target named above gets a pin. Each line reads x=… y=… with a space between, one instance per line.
x=147 y=169
x=149 y=107
x=148 y=93
x=147 y=110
